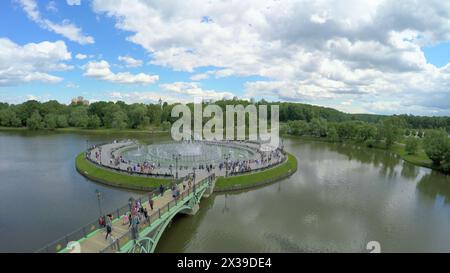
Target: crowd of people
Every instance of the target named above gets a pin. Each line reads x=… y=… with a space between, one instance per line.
x=242 y=166
x=233 y=167
x=138 y=213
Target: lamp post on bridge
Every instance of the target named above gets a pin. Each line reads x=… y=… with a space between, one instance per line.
x=99 y=197
x=193 y=169
x=176 y=157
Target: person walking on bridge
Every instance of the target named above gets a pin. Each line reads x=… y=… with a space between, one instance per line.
x=108 y=225
x=150 y=202
x=161 y=190
x=135 y=226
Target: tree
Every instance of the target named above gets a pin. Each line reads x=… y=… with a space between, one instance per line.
x=61 y=121
x=111 y=113
x=318 y=127
x=391 y=129
x=411 y=145
x=365 y=132
x=154 y=112
x=119 y=120
x=436 y=145
x=332 y=133
x=35 y=121
x=165 y=125
x=93 y=122
x=137 y=116
x=298 y=127
x=79 y=117
x=26 y=109
x=8 y=118
x=51 y=121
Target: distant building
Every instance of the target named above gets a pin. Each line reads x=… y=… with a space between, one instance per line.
x=80 y=100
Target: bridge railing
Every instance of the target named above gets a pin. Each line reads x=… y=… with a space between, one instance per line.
x=119 y=170
x=86 y=230
x=153 y=216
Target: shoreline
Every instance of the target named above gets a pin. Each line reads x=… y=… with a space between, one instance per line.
x=420 y=159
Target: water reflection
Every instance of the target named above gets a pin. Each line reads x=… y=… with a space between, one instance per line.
x=434 y=185
x=409 y=170
x=385 y=161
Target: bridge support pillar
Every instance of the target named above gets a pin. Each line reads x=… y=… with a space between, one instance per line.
x=210 y=189
x=192 y=211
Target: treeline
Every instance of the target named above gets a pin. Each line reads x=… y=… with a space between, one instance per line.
x=52 y=114
x=434 y=142
x=387 y=130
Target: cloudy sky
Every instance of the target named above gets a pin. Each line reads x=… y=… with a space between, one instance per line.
x=357 y=56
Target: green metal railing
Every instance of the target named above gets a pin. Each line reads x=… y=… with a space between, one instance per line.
x=154 y=218
x=92 y=227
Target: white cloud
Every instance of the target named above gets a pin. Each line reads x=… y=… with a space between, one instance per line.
x=80 y=56
x=177 y=92
x=193 y=90
x=73 y=2
x=129 y=61
x=66 y=28
x=32 y=97
x=31 y=62
x=101 y=70
x=134 y=97
x=199 y=77
x=307 y=50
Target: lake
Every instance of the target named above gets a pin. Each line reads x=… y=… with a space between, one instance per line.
x=341 y=197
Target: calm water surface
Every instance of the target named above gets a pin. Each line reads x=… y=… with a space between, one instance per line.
x=340 y=198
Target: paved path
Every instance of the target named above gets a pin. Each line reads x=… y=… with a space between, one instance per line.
x=117 y=148
x=97 y=242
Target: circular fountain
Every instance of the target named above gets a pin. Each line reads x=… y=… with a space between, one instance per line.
x=187 y=153
x=238 y=164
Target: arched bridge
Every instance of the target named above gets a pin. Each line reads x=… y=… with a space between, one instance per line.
x=150 y=231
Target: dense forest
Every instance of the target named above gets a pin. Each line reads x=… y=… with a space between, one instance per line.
x=428 y=134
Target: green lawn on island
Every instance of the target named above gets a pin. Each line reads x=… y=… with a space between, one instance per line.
x=419 y=158
x=258 y=177
x=113 y=178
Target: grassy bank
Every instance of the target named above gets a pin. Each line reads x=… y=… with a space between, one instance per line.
x=258 y=178
x=112 y=178
x=419 y=158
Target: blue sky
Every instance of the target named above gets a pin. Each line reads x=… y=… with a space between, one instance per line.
x=302 y=51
